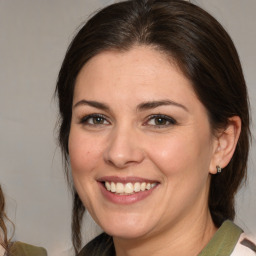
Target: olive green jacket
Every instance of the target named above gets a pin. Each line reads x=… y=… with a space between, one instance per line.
x=22 y=249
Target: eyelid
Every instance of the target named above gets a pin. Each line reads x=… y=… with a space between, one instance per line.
x=169 y=119
x=85 y=118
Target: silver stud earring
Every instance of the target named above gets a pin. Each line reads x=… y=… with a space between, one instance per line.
x=218 y=169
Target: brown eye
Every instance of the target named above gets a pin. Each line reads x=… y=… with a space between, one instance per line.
x=160 y=121
x=97 y=120
x=94 y=119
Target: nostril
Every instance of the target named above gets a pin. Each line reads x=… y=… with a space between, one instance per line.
x=124 y=159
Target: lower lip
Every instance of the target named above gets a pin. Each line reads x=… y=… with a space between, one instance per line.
x=125 y=199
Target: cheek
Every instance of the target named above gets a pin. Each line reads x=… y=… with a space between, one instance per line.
x=84 y=157
x=180 y=153
x=171 y=158
x=83 y=153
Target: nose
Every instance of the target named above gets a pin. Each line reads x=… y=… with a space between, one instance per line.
x=123 y=148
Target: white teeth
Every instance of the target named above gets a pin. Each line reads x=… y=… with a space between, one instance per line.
x=153 y=185
x=136 y=187
x=113 y=187
x=128 y=188
x=119 y=188
x=143 y=186
x=107 y=185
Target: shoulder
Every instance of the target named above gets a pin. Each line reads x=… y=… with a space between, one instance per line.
x=23 y=249
x=246 y=246
x=229 y=240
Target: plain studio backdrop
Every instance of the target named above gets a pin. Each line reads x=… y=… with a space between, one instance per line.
x=34 y=36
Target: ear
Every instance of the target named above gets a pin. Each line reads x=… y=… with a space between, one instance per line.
x=225 y=144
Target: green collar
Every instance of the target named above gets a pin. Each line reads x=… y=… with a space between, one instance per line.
x=223 y=241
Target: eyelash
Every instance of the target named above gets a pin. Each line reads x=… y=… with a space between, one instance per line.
x=85 y=119
x=168 y=121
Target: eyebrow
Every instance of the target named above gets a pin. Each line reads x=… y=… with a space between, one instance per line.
x=141 y=107
x=92 y=103
x=154 y=104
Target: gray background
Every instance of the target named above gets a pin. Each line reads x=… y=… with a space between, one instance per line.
x=34 y=35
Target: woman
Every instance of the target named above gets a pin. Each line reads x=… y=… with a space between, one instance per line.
x=154 y=122
x=8 y=248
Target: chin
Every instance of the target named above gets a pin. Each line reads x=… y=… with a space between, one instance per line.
x=128 y=233
x=129 y=229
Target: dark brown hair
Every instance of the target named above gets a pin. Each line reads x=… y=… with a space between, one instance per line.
x=203 y=51
x=4 y=241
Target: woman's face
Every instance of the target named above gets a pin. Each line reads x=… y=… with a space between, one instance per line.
x=140 y=144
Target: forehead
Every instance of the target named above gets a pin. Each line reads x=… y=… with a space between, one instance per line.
x=141 y=69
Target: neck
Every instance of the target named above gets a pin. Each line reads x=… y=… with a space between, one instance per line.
x=188 y=237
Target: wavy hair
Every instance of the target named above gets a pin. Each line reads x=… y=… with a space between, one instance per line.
x=4 y=241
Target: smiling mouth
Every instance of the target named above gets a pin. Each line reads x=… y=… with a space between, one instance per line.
x=128 y=188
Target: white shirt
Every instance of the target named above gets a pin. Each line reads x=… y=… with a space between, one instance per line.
x=243 y=250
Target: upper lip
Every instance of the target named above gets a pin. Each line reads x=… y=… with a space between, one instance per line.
x=131 y=179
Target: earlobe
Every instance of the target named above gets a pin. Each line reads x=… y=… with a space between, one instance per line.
x=226 y=144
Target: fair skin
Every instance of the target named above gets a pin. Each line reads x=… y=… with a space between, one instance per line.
x=136 y=119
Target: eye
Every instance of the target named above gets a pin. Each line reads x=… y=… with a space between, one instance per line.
x=160 y=121
x=95 y=119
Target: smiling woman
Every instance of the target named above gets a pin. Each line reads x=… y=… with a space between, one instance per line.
x=154 y=122
x=139 y=150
